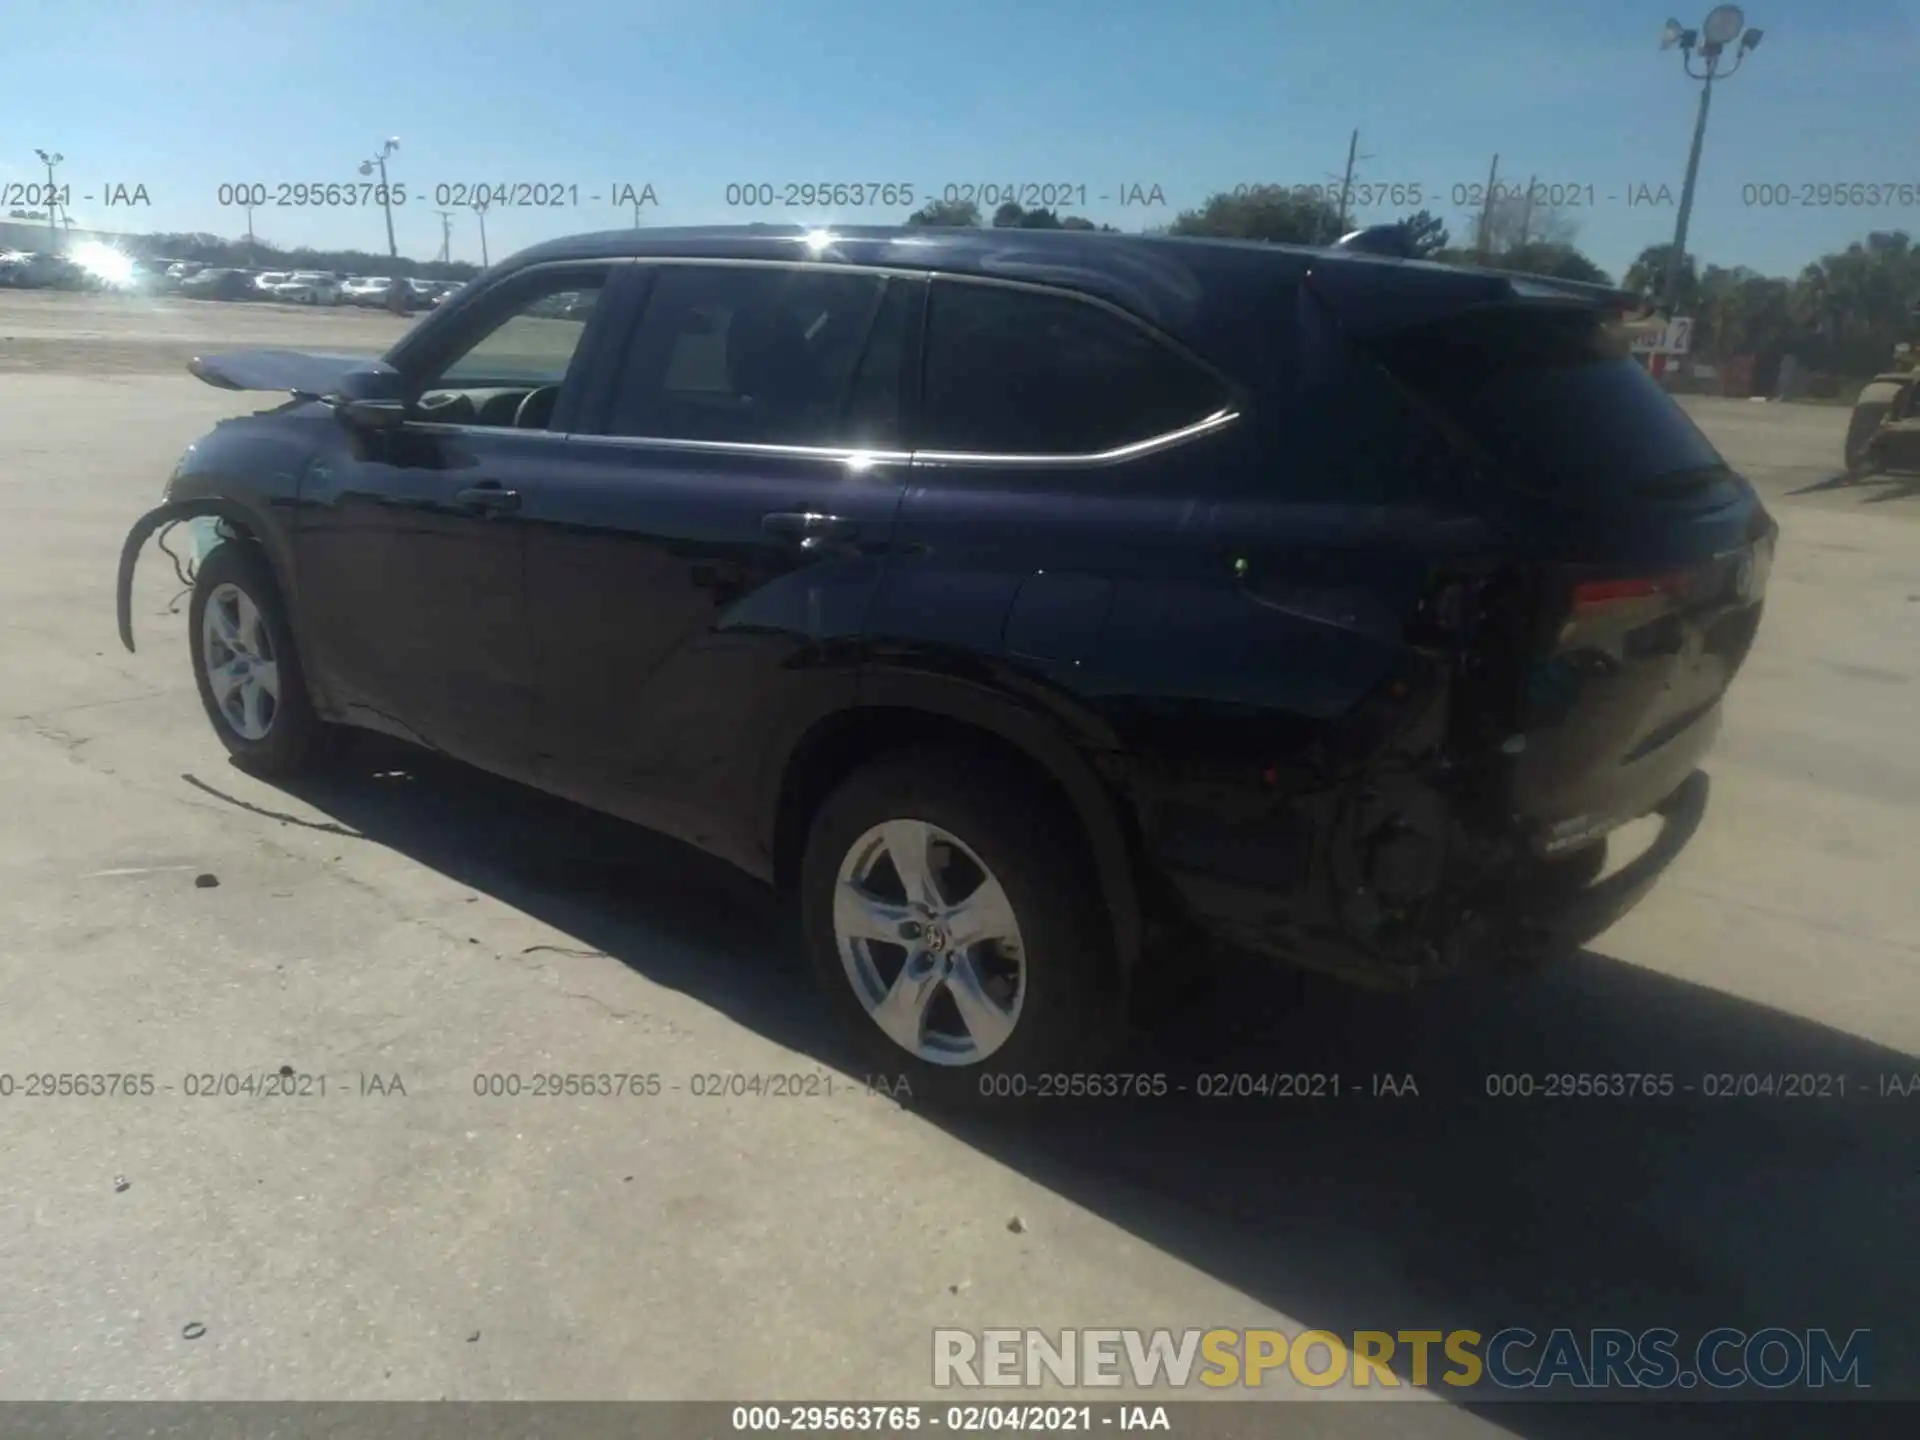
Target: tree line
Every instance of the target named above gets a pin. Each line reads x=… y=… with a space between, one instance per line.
x=1842 y=314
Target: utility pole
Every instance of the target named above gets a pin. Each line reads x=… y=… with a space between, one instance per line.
x=480 y=209
x=1346 y=183
x=53 y=199
x=386 y=194
x=446 y=235
x=1486 y=210
x=636 y=214
x=1526 y=210
x=251 y=243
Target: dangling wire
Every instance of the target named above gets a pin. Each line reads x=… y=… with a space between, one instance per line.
x=184 y=570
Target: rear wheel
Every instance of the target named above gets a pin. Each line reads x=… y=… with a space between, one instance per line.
x=954 y=922
x=247 y=668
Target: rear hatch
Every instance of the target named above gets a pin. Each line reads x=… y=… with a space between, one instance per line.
x=1640 y=557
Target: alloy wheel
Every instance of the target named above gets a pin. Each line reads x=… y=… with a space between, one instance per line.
x=242 y=671
x=930 y=943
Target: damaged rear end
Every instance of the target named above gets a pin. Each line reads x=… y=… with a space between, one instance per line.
x=1584 y=668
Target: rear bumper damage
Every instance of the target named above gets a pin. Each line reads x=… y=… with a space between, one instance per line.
x=1497 y=903
x=1582 y=916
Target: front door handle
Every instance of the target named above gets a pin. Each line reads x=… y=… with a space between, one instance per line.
x=807 y=526
x=489 y=497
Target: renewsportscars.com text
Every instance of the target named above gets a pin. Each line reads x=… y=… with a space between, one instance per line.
x=1517 y=1359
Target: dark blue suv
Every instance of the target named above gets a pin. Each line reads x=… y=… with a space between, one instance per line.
x=1027 y=601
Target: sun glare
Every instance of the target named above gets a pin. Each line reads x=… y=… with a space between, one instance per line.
x=104 y=261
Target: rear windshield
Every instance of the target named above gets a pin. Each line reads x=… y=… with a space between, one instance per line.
x=1556 y=402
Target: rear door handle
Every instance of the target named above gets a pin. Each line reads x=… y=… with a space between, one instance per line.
x=489 y=497
x=807 y=526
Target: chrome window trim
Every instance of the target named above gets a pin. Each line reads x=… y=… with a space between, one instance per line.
x=742 y=262
x=973 y=459
x=1119 y=455
x=846 y=454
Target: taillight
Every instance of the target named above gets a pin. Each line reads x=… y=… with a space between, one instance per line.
x=1605 y=612
x=1591 y=595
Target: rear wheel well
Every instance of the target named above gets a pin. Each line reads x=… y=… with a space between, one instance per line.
x=835 y=749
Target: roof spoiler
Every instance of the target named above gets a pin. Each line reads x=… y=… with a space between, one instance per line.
x=1375 y=300
x=1395 y=242
x=1627 y=304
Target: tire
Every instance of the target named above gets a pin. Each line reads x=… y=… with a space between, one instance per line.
x=1070 y=1003
x=232 y=578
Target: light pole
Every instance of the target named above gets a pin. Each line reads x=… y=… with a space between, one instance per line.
x=53 y=196
x=1723 y=26
x=386 y=195
x=480 y=209
x=446 y=235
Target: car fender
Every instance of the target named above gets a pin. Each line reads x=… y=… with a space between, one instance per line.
x=192 y=495
x=171 y=513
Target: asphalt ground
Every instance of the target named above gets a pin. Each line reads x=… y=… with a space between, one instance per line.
x=412 y=920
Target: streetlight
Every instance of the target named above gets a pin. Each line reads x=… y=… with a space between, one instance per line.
x=386 y=195
x=1722 y=27
x=480 y=209
x=53 y=196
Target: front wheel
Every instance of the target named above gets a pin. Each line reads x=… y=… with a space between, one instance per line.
x=953 y=919
x=247 y=668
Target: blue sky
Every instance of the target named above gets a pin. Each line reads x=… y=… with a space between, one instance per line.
x=689 y=97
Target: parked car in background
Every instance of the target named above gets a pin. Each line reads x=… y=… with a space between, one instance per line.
x=219 y=284
x=268 y=281
x=309 y=287
x=448 y=291
x=38 y=270
x=366 y=290
x=1030 y=611
x=180 y=271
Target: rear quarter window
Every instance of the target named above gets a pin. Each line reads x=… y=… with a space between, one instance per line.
x=1011 y=371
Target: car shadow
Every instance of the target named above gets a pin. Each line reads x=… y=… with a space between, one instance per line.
x=1423 y=1202
x=1875 y=489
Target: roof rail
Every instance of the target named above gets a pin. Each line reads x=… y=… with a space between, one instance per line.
x=1390 y=240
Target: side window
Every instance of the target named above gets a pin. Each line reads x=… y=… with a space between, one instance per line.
x=525 y=348
x=1018 y=372
x=765 y=355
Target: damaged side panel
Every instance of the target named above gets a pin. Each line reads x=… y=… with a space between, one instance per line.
x=1368 y=850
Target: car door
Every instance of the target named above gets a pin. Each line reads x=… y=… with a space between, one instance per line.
x=1062 y=458
x=410 y=544
x=700 y=588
